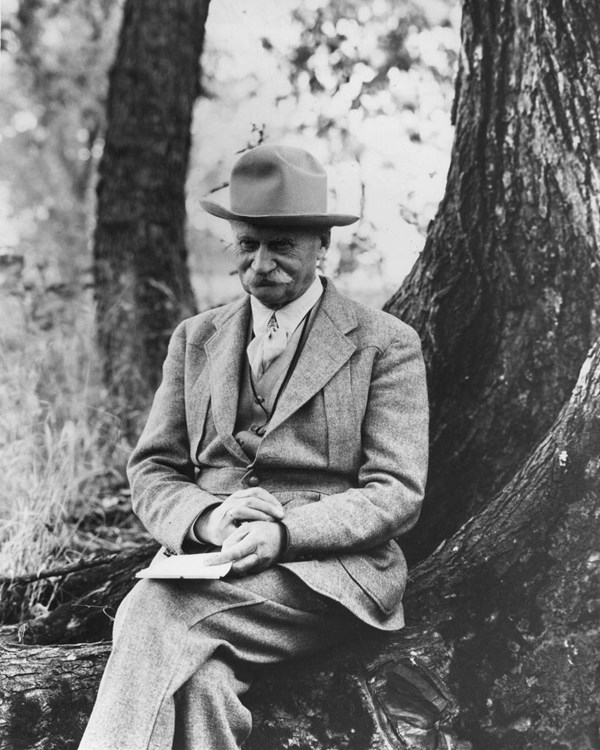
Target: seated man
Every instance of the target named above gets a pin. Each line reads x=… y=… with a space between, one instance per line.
x=290 y=431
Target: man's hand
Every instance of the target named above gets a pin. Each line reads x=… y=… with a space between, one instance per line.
x=253 y=547
x=253 y=504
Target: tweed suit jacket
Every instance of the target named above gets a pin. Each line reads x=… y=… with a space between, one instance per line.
x=345 y=451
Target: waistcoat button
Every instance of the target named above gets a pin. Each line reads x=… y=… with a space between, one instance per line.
x=253 y=480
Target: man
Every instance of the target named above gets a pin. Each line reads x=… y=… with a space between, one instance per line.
x=290 y=430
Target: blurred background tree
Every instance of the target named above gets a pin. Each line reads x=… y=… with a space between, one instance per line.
x=55 y=57
x=142 y=284
x=60 y=449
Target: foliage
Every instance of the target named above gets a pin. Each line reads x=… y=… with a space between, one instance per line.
x=367 y=87
x=354 y=57
x=55 y=61
x=62 y=456
x=360 y=61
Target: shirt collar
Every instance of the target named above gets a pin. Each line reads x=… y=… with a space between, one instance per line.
x=289 y=316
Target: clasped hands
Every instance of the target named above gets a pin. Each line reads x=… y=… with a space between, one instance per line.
x=245 y=526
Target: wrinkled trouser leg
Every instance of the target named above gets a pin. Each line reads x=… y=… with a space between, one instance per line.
x=183 y=653
x=209 y=710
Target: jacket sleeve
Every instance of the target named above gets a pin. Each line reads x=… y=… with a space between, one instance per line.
x=161 y=473
x=392 y=474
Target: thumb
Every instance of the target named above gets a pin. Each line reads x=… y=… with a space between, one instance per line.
x=236 y=536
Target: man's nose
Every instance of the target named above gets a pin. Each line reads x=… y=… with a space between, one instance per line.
x=263 y=262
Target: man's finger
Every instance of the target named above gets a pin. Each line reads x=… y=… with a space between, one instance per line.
x=266 y=511
x=224 y=556
x=219 y=558
x=245 y=565
x=236 y=549
x=258 y=492
x=250 y=514
x=237 y=535
x=241 y=550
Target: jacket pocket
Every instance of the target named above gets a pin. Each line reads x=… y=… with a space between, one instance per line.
x=295 y=498
x=381 y=573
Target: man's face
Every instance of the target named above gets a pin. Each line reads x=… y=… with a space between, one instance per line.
x=276 y=265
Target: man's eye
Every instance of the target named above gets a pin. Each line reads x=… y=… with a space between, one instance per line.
x=247 y=246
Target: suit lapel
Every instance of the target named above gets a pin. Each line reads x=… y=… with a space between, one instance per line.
x=226 y=350
x=326 y=350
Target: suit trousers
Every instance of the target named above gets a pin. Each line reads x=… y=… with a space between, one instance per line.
x=184 y=652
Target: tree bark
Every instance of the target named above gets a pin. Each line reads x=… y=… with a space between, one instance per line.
x=142 y=282
x=47 y=694
x=503 y=623
x=505 y=293
x=86 y=602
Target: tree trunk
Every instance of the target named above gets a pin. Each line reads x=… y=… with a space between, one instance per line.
x=505 y=293
x=86 y=602
x=509 y=632
x=47 y=694
x=142 y=282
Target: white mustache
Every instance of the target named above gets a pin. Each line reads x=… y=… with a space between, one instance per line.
x=278 y=276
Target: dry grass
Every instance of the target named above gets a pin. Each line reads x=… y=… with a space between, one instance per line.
x=57 y=445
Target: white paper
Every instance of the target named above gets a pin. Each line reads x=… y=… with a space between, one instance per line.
x=185 y=566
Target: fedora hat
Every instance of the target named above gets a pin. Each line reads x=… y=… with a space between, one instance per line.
x=274 y=185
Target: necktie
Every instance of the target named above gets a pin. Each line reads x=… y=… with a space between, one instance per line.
x=266 y=347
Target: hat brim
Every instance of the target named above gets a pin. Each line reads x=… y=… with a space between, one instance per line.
x=280 y=220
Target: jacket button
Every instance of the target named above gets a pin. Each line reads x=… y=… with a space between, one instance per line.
x=253 y=480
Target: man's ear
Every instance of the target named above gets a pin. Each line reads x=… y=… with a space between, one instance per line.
x=325 y=241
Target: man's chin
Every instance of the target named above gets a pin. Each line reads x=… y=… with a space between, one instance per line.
x=268 y=294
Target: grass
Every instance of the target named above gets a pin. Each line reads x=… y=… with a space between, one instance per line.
x=61 y=455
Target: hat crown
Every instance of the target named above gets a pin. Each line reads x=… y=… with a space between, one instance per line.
x=278 y=180
x=274 y=185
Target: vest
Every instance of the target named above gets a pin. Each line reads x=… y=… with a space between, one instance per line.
x=258 y=396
